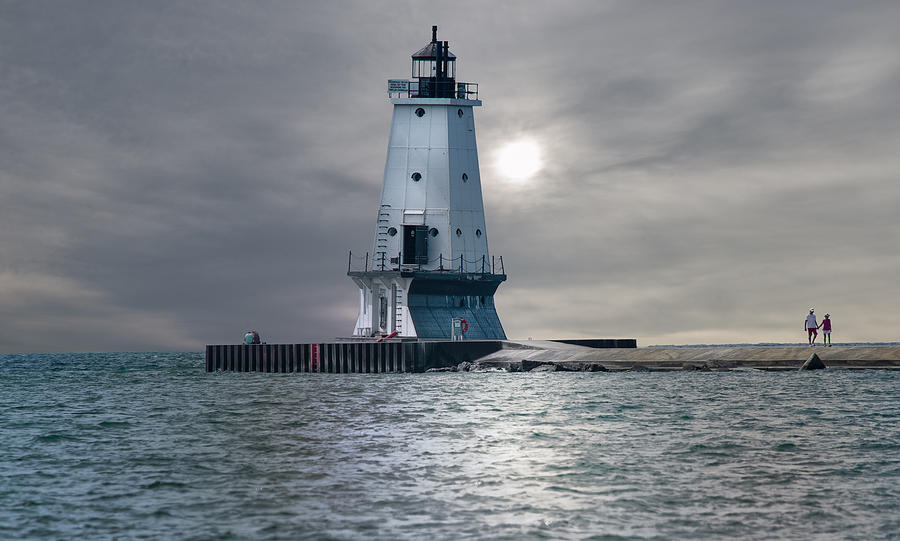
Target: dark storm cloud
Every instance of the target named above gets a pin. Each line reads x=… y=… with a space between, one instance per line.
x=166 y=168
x=174 y=173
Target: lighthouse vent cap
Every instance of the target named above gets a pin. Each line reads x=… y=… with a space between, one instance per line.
x=430 y=52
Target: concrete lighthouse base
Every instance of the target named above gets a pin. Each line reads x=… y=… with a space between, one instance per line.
x=422 y=304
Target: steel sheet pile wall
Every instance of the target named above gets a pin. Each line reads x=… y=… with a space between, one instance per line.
x=341 y=357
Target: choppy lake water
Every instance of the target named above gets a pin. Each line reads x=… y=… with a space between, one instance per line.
x=143 y=445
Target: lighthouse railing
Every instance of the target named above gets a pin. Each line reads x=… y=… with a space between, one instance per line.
x=382 y=262
x=401 y=88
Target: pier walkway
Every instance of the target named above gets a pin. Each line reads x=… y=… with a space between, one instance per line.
x=518 y=356
x=680 y=358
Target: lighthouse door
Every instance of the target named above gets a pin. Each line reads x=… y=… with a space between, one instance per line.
x=415 y=244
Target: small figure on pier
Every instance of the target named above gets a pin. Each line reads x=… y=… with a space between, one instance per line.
x=810 y=325
x=826 y=331
x=255 y=338
x=248 y=337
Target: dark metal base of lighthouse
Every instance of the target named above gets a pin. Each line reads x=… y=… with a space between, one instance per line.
x=435 y=299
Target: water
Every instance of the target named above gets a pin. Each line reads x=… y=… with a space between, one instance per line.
x=139 y=445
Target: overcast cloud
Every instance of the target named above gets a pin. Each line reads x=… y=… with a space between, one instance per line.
x=174 y=173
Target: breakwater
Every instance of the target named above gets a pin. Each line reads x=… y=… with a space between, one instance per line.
x=363 y=357
x=524 y=356
x=528 y=355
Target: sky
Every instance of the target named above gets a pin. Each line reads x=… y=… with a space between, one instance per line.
x=174 y=173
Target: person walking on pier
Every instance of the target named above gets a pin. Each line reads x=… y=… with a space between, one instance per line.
x=810 y=325
x=826 y=330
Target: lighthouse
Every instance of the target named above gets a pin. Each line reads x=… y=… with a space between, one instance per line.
x=430 y=274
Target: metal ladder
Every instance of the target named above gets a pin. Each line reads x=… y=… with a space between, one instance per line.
x=381 y=237
x=398 y=316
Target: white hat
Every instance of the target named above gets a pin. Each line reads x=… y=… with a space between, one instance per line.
x=812 y=309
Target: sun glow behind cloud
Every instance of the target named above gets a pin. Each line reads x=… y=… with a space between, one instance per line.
x=519 y=160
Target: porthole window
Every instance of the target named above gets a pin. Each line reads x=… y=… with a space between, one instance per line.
x=392 y=231
x=458 y=232
x=459 y=112
x=478 y=233
x=433 y=232
x=420 y=112
x=465 y=177
x=416 y=176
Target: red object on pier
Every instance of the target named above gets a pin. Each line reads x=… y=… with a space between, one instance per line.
x=393 y=334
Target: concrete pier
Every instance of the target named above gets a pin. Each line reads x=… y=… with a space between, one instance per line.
x=522 y=356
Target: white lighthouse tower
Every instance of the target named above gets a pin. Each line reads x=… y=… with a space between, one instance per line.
x=430 y=263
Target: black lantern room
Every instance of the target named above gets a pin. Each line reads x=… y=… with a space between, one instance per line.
x=434 y=66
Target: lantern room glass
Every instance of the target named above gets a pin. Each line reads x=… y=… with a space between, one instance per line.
x=427 y=67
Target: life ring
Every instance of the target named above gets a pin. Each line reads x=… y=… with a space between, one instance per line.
x=464 y=324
